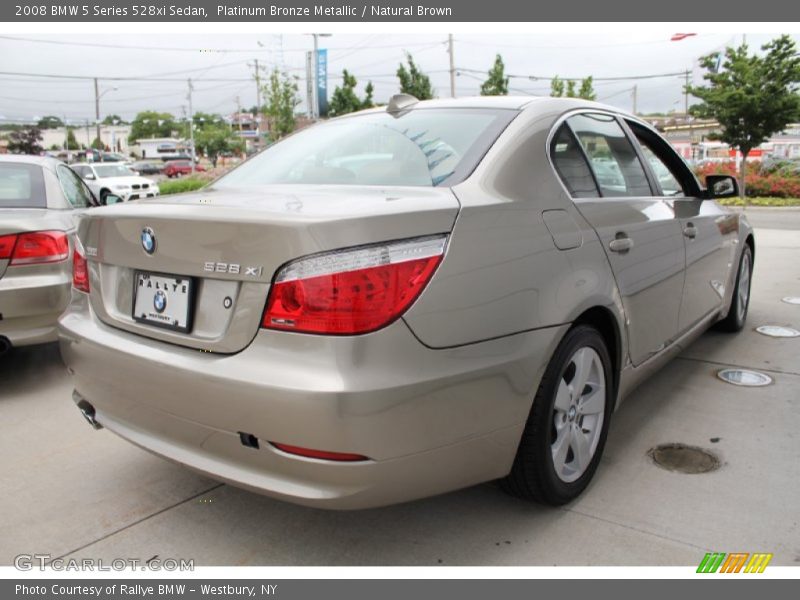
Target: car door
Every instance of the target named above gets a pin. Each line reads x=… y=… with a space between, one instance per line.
x=640 y=233
x=709 y=233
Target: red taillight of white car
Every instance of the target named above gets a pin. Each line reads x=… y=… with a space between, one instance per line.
x=353 y=291
x=34 y=247
x=80 y=271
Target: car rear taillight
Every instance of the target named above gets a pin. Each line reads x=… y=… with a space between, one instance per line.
x=80 y=271
x=35 y=247
x=7 y=246
x=352 y=291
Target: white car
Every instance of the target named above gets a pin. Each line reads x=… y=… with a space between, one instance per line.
x=117 y=179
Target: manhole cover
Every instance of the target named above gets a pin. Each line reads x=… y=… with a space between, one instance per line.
x=684 y=459
x=778 y=331
x=744 y=377
x=791 y=299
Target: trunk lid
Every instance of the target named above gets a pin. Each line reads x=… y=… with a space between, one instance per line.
x=229 y=243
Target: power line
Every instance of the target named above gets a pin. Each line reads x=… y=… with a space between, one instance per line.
x=195 y=50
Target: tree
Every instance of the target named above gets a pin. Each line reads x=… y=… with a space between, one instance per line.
x=567 y=87
x=368 y=91
x=344 y=99
x=25 y=141
x=556 y=87
x=50 y=122
x=413 y=81
x=751 y=97
x=586 y=90
x=280 y=93
x=571 y=93
x=98 y=144
x=72 y=142
x=496 y=83
x=215 y=138
x=149 y=124
x=113 y=120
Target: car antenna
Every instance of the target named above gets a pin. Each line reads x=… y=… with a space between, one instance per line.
x=399 y=103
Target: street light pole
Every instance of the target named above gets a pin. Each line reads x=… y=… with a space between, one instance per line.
x=452 y=66
x=191 y=124
x=96 y=107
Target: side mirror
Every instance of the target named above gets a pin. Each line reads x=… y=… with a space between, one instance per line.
x=721 y=186
x=112 y=199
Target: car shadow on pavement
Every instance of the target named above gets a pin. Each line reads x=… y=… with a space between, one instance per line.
x=30 y=368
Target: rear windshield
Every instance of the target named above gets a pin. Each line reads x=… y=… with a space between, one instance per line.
x=21 y=186
x=423 y=147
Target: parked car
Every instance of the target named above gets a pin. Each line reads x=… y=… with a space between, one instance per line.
x=144 y=167
x=105 y=179
x=177 y=168
x=405 y=301
x=39 y=198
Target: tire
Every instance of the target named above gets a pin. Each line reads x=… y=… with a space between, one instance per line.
x=538 y=473
x=103 y=195
x=740 y=299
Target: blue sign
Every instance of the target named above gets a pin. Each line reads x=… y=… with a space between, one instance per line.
x=322 y=80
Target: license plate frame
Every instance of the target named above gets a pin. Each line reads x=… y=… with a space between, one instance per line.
x=149 y=316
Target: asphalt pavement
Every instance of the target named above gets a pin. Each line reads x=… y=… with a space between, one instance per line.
x=69 y=491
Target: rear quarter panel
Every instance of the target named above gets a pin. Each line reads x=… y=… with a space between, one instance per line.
x=503 y=273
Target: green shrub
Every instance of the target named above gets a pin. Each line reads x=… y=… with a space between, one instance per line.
x=179 y=186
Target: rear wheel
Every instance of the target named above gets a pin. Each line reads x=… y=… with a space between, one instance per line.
x=567 y=428
x=740 y=300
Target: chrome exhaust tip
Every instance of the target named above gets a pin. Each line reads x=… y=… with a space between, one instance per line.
x=87 y=410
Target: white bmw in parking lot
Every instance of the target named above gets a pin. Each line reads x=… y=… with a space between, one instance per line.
x=116 y=179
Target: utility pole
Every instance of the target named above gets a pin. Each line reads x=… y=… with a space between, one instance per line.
x=315 y=79
x=97 y=107
x=191 y=123
x=452 y=66
x=258 y=90
x=686 y=94
x=635 y=91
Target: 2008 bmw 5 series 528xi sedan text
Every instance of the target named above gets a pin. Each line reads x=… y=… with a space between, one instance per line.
x=405 y=301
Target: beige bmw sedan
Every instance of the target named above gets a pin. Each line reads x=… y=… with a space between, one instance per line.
x=405 y=301
x=39 y=201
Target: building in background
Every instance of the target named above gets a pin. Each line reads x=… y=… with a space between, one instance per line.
x=114 y=137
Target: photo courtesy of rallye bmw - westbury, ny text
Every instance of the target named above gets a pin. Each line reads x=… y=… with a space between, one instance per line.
x=398 y=299
x=138 y=590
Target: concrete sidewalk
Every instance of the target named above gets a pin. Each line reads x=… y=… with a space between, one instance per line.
x=69 y=491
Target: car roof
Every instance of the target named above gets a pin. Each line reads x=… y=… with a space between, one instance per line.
x=29 y=159
x=520 y=103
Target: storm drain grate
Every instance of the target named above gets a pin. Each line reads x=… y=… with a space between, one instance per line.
x=684 y=459
x=744 y=377
x=791 y=299
x=778 y=331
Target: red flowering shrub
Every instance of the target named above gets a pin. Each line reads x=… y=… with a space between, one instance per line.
x=758 y=181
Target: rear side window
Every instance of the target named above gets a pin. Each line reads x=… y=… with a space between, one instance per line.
x=613 y=159
x=571 y=165
x=21 y=186
x=74 y=189
x=423 y=147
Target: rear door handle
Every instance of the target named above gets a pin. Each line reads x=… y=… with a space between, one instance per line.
x=620 y=244
x=690 y=231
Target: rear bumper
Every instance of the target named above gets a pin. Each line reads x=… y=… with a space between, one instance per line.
x=30 y=305
x=430 y=421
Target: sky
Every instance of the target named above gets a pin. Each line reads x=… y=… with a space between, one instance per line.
x=222 y=67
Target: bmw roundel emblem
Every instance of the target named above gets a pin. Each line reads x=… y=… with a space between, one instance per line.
x=160 y=301
x=148 y=240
